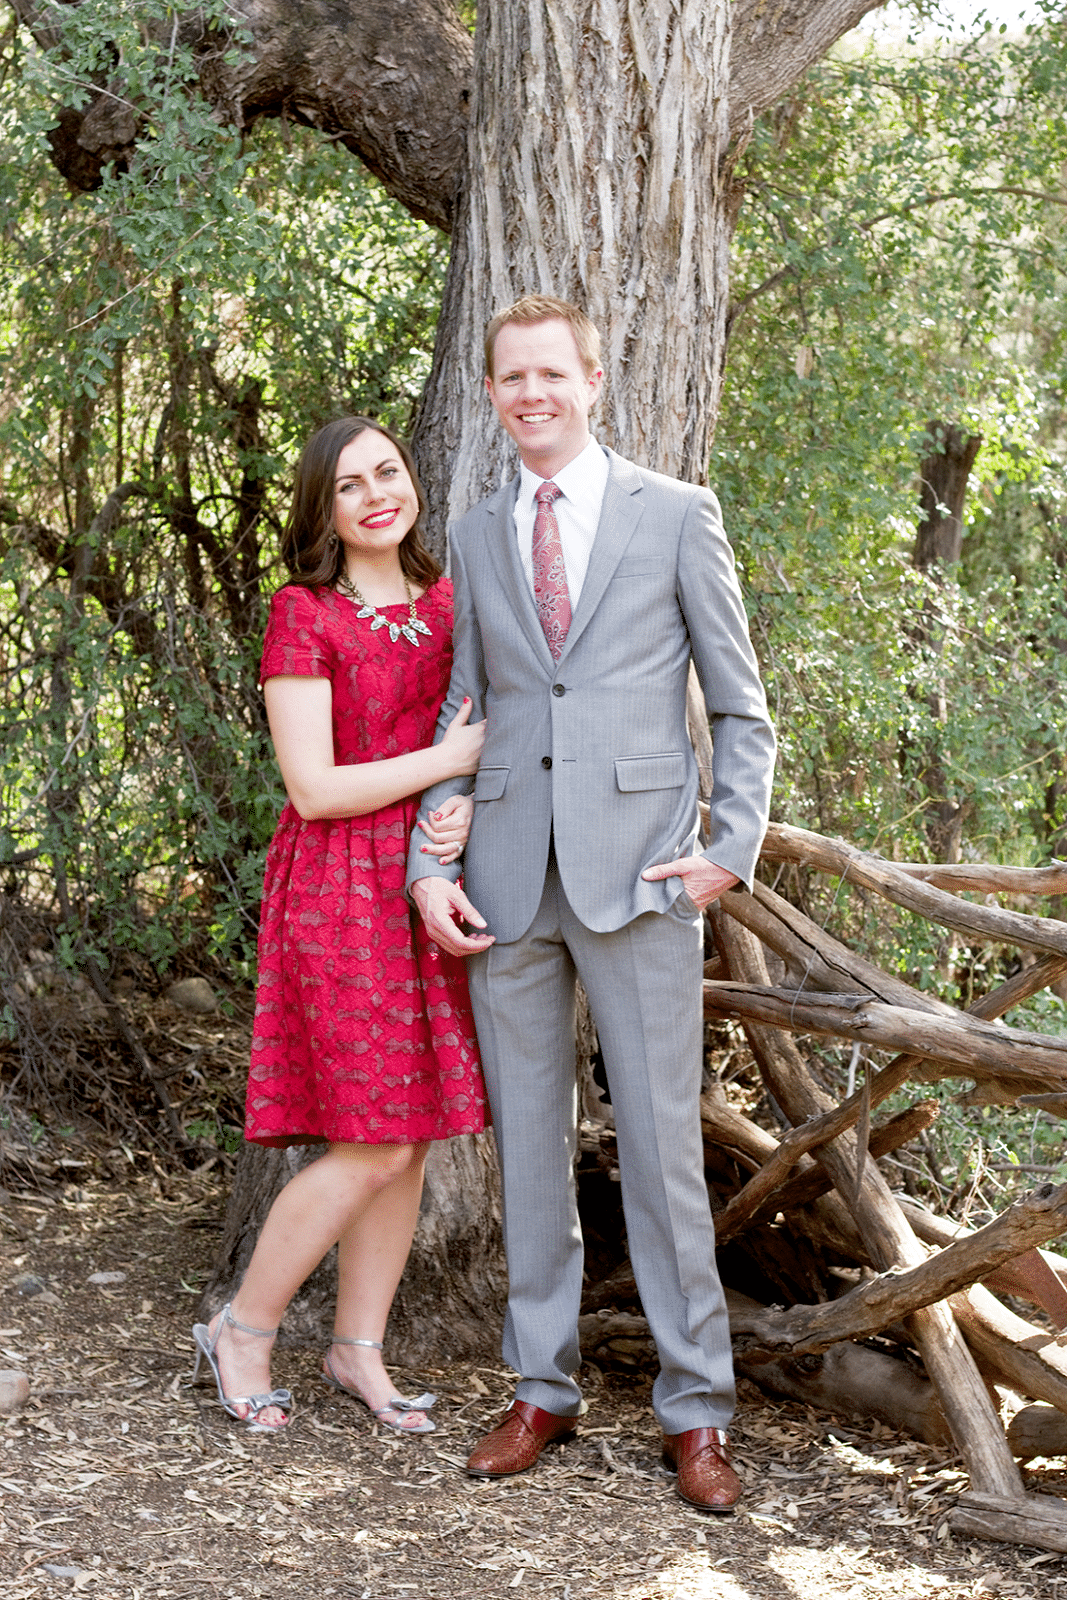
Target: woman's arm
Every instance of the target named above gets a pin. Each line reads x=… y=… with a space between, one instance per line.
x=301 y=725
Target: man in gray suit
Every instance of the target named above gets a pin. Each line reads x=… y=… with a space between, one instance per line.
x=581 y=590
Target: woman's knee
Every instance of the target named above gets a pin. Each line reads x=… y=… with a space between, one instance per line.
x=380 y=1164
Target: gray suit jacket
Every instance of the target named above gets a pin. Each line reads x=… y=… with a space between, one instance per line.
x=593 y=750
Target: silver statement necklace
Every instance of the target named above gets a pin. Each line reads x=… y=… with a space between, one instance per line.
x=410 y=629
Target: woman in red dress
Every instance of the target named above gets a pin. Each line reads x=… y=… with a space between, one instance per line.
x=363 y=1037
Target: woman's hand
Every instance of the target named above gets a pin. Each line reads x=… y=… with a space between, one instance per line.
x=448 y=828
x=461 y=745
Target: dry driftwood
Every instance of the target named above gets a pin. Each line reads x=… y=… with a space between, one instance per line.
x=893 y=1296
x=884 y=1138
x=846 y=1378
x=1039 y=1276
x=985 y=878
x=984 y=923
x=777 y=1164
x=885 y=1232
x=1037 y=1519
x=764 y=1194
x=1011 y=1350
x=963 y=1041
x=834 y=992
x=819 y=960
x=1037 y=1431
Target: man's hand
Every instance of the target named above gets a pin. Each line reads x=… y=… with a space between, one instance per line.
x=702 y=880
x=442 y=906
x=448 y=828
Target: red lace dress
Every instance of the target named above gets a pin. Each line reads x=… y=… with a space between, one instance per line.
x=363 y=1031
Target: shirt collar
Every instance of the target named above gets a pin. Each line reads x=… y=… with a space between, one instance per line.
x=585 y=476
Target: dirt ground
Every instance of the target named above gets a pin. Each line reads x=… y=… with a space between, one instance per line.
x=119 y=1479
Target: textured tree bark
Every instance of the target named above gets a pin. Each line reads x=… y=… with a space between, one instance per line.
x=846 y=1378
x=598 y=173
x=886 y=1235
x=392 y=83
x=943 y=476
x=389 y=83
x=876 y=1304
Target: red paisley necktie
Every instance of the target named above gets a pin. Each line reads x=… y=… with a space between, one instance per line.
x=549 y=574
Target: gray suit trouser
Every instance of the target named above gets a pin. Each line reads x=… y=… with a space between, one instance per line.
x=644 y=988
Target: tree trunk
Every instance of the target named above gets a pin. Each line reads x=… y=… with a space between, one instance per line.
x=391 y=84
x=597 y=156
x=943 y=475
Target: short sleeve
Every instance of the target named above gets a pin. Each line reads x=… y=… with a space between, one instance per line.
x=296 y=643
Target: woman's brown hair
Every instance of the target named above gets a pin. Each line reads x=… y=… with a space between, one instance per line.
x=313 y=555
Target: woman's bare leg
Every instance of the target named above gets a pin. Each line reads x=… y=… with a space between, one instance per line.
x=371 y=1254
x=310 y=1214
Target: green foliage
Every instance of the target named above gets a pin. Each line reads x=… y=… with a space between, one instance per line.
x=168 y=342
x=898 y=259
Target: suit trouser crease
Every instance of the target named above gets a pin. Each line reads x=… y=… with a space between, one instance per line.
x=643 y=983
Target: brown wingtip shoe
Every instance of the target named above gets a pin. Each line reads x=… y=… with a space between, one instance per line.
x=515 y=1443
x=701 y=1457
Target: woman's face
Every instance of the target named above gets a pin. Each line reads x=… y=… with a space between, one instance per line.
x=374 y=499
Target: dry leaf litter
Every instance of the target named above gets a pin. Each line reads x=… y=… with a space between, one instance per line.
x=118 y=1479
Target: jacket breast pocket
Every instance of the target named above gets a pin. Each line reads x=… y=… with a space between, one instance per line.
x=491 y=782
x=641 y=567
x=633 y=773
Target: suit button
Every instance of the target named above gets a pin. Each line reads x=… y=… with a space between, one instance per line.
x=557 y=688
x=546 y=762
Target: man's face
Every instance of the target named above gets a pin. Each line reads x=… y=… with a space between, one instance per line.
x=542 y=393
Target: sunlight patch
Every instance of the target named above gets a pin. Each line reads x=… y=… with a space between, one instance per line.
x=688 y=1576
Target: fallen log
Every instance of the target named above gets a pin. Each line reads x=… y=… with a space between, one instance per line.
x=986 y=923
x=1037 y=1431
x=892 y=1296
x=1036 y=1519
x=886 y=1235
x=847 y=1378
x=616 y=1338
x=980 y=1048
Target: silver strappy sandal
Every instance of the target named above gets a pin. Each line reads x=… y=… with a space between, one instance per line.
x=422 y=1402
x=206 y=1345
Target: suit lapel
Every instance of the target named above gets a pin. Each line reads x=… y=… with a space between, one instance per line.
x=619 y=515
x=504 y=554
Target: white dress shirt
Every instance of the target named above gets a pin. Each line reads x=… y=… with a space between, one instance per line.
x=581 y=484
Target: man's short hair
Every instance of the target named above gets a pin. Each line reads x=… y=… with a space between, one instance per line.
x=546 y=308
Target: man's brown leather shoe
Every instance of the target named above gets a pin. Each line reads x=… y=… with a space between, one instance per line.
x=515 y=1444
x=706 y=1479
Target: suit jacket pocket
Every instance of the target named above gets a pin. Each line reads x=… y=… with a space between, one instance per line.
x=640 y=567
x=490 y=783
x=633 y=773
